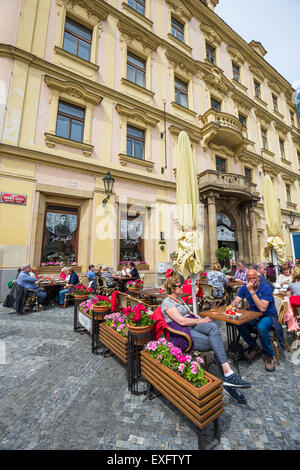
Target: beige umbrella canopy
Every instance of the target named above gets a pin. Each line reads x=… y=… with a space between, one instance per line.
x=189 y=258
x=274 y=242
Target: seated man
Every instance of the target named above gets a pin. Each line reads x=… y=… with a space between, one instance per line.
x=92 y=277
x=29 y=282
x=260 y=268
x=260 y=298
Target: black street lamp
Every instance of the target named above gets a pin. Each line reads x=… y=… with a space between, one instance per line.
x=292 y=219
x=108 y=181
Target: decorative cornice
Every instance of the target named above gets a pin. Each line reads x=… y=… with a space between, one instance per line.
x=210 y=34
x=179 y=9
x=136 y=114
x=281 y=128
x=174 y=130
x=236 y=55
x=258 y=47
x=264 y=117
x=288 y=177
x=244 y=103
x=274 y=87
x=132 y=32
x=72 y=89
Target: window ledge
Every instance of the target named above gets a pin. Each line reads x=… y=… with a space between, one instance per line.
x=260 y=101
x=292 y=205
x=210 y=63
x=278 y=114
x=147 y=92
x=239 y=85
x=268 y=152
x=179 y=43
x=79 y=60
x=183 y=108
x=287 y=162
x=124 y=159
x=52 y=139
x=138 y=15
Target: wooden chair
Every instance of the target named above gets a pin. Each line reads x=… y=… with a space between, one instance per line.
x=105 y=289
x=69 y=296
x=281 y=307
x=33 y=299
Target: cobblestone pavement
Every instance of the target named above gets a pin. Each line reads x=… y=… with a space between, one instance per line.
x=55 y=394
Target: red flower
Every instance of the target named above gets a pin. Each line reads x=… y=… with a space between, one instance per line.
x=127 y=311
x=137 y=316
x=90 y=289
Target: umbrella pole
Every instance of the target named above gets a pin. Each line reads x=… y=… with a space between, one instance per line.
x=193 y=279
x=275 y=262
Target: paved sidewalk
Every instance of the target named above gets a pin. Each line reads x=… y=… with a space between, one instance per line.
x=55 y=394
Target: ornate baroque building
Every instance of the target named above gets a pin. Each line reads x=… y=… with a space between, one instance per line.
x=88 y=86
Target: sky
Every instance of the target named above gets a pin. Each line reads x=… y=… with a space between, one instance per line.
x=274 y=23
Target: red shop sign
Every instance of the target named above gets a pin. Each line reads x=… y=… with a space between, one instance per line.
x=9 y=198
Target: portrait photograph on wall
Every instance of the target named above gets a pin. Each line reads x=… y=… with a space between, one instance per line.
x=60 y=235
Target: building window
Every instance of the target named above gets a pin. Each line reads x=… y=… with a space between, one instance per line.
x=136 y=69
x=132 y=237
x=248 y=173
x=181 y=93
x=177 y=29
x=70 y=121
x=211 y=54
x=135 y=142
x=215 y=104
x=288 y=192
x=236 y=73
x=220 y=165
x=243 y=121
x=138 y=5
x=77 y=39
x=282 y=152
x=264 y=139
x=275 y=102
x=257 y=89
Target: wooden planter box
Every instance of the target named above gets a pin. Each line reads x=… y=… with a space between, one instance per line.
x=200 y=405
x=117 y=343
x=97 y=315
x=56 y=269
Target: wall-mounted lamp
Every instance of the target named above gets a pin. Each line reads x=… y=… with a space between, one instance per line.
x=292 y=219
x=108 y=181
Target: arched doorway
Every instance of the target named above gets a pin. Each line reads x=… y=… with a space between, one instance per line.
x=226 y=233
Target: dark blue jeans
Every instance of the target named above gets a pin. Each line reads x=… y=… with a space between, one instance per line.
x=41 y=294
x=263 y=326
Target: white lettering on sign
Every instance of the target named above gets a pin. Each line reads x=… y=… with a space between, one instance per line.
x=85 y=322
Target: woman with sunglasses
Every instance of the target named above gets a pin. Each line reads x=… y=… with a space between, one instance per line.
x=205 y=335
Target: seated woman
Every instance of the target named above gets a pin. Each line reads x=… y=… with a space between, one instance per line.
x=133 y=271
x=285 y=277
x=92 y=277
x=217 y=279
x=294 y=289
x=125 y=270
x=108 y=276
x=63 y=273
x=205 y=335
x=73 y=281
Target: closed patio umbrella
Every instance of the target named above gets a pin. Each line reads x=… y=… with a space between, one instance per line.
x=275 y=247
x=189 y=256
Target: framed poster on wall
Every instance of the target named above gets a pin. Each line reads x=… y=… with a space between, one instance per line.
x=60 y=238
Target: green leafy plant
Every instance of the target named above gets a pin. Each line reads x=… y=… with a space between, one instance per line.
x=224 y=254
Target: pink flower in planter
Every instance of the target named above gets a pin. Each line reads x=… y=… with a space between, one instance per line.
x=188 y=358
x=137 y=316
x=181 y=367
x=181 y=358
x=199 y=359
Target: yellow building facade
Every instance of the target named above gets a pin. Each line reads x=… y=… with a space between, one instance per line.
x=91 y=86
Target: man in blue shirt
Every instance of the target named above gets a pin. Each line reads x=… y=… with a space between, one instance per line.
x=260 y=268
x=92 y=277
x=29 y=282
x=260 y=299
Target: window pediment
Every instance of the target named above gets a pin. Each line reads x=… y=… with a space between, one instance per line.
x=288 y=178
x=263 y=118
x=215 y=79
x=96 y=13
x=256 y=71
x=181 y=64
x=74 y=90
x=136 y=115
x=281 y=129
x=210 y=34
x=176 y=131
x=274 y=87
x=236 y=55
x=131 y=33
x=270 y=169
x=243 y=102
x=179 y=9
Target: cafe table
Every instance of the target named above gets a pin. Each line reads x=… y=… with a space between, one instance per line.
x=51 y=288
x=234 y=345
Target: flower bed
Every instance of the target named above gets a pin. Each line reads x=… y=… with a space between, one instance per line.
x=96 y=305
x=183 y=382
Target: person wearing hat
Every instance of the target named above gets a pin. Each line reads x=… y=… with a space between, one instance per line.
x=29 y=282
